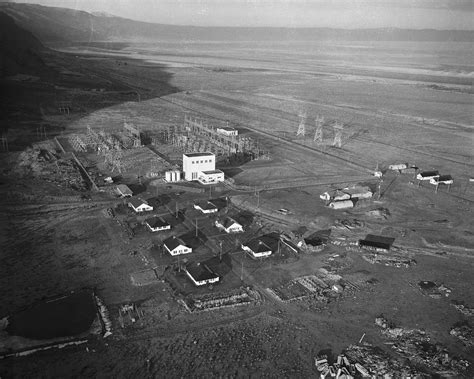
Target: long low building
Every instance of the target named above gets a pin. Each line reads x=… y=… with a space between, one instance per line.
x=211 y=177
x=376 y=243
x=442 y=179
x=427 y=175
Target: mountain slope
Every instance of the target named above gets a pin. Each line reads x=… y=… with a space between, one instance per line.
x=20 y=50
x=53 y=25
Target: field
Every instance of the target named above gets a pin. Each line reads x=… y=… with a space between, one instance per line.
x=396 y=107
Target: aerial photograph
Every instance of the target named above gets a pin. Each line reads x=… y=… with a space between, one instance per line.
x=237 y=189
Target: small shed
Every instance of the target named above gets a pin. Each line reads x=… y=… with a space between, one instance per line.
x=344 y=204
x=200 y=274
x=358 y=192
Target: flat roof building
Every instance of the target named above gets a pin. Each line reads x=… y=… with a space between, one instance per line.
x=196 y=163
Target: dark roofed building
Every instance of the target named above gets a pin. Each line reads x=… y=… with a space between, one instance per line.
x=427 y=175
x=378 y=243
x=205 y=207
x=257 y=248
x=176 y=246
x=156 y=224
x=200 y=274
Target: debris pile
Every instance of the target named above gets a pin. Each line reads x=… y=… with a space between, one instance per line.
x=104 y=315
x=382 y=213
x=363 y=361
x=463 y=308
x=129 y=313
x=463 y=331
x=212 y=301
x=390 y=259
x=349 y=224
x=434 y=290
x=415 y=345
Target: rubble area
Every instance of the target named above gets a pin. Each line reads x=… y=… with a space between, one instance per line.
x=129 y=314
x=416 y=346
x=463 y=308
x=390 y=258
x=363 y=361
x=382 y=213
x=349 y=224
x=433 y=290
x=44 y=162
x=463 y=331
x=213 y=301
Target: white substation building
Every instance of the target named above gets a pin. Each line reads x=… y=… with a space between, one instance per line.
x=201 y=167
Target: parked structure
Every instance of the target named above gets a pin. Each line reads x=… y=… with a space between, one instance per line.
x=257 y=248
x=123 y=191
x=376 y=243
x=229 y=225
x=156 y=224
x=200 y=274
x=139 y=205
x=427 y=175
x=398 y=166
x=173 y=176
x=205 y=207
x=176 y=246
x=227 y=131
x=341 y=204
x=335 y=195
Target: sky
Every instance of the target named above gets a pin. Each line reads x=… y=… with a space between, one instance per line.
x=348 y=14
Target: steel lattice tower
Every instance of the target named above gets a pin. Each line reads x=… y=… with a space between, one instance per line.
x=318 y=134
x=301 y=128
x=338 y=128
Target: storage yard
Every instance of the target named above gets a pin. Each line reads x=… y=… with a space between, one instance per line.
x=280 y=266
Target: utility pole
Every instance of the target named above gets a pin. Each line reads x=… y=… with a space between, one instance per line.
x=196 y=227
x=318 y=134
x=338 y=128
x=301 y=127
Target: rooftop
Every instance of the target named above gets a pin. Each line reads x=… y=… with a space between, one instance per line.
x=156 y=222
x=429 y=173
x=192 y=155
x=377 y=241
x=136 y=201
x=227 y=221
x=229 y=129
x=257 y=246
x=173 y=242
x=205 y=205
x=200 y=272
x=210 y=172
x=124 y=188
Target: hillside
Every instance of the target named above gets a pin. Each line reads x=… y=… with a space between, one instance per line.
x=62 y=25
x=20 y=50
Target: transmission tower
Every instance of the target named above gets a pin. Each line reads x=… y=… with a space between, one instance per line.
x=301 y=128
x=318 y=134
x=338 y=128
x=4 y=141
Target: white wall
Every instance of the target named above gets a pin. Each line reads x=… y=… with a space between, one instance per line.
x=192 y=166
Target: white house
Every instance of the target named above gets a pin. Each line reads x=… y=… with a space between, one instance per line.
x=210 y=177
x=196 y=163
x=442 y=179
x=123 y=191
x=200 y=274
x=257 y=248
x=343 y=204
x=139 y=205
x=156 y=224
x=229 y=225
x=205 y=207
x=227 y=131
x=176 y=246
x=427 y=175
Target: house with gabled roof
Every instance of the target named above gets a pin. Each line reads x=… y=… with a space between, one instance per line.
x=442 y=179
x=123 y=190
x=156 y=224
x=427 y=175
x=176 y=246
x=200 y=274
x=229 y=225
x=139 y=205
x=257 y=248
x=205 y=207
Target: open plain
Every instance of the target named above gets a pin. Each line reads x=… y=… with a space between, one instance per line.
x=401 y=102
